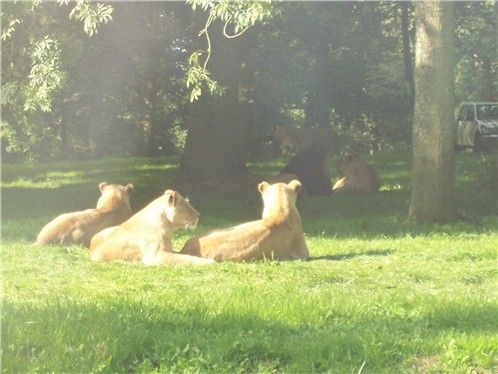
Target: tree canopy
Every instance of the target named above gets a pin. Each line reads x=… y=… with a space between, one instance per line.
x=90 y=79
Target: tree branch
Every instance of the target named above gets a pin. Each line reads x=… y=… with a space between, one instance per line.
x=235 y=35
x=208 y=39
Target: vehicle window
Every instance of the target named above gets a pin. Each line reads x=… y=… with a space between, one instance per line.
x=487 y=112
x=470 y=114
x=463 y=113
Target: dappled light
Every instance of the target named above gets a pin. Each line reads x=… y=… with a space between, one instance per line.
x=330 y=166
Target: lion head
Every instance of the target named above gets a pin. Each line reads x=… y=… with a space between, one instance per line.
x=346 y=162
x=279 y=198
x=114 y=194
x=178 y=210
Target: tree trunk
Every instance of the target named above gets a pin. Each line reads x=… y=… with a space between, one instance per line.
x=151 y=146
x=433 y=130
x=317 y=109
x=153 y=88
x=407 y=53
x=96 y=125
x=97 y=74
x=218 y=127
x=62 y=135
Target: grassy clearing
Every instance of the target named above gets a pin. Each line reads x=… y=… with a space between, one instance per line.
x=379 y=291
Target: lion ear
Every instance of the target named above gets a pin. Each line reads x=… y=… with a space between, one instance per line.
x=262 y=186
x=172 y=197
x=103 y=185
x=295 y=185
x=129 y=188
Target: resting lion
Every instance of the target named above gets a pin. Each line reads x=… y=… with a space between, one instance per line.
x=294 y=139
x=286 y=178
x=113 y=208
x=359 y=176
x=278 y=235
x=310 y=165
x=146 y=236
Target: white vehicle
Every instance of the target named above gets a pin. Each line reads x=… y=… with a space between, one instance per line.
x=477 y=125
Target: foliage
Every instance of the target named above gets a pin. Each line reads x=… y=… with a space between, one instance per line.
x=9 y=29
x=35 y=72
x=116 y=70
x=241 y=15
x=362 y=92
x=46 y=75
x=198 y=75
x=476 y=42
x=126 y=90
x=92 y=15
x=381 y=292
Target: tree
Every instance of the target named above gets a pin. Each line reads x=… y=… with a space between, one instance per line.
x=433 y=131
x=407 y=53
x=476 y=42
x=220 y=125
x=123 y=90
x=36 y=39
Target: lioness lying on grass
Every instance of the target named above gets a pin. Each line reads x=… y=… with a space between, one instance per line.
x=146 y=236
x=358 y=175
x=278 y=235
x=113 y=207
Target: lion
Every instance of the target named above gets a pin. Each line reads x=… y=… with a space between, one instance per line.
x=113 y=208
x=310 y=165
x=101 y=235
x=146 y=236
x=359 y=176
x=277 y=235
x=294 y=139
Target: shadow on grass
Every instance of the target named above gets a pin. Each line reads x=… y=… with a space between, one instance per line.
x=40 y=193
x=341 y=257
x=369 y=216
x=122 y=335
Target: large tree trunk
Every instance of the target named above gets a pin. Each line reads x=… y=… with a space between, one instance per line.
x=218 y=127
x=433 y=130
x=317 y=109
x=407 y=53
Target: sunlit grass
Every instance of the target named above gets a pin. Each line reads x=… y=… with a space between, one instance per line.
x=380 y=291
x=62 y=173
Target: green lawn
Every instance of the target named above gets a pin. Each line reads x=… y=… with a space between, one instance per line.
x=380 y=293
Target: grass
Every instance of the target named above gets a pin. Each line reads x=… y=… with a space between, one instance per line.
x=380 y=293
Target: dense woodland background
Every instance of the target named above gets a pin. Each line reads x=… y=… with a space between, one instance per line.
x=90 y=81
x=119 y=89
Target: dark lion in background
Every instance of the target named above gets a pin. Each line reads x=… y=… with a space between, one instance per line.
x=310 y=165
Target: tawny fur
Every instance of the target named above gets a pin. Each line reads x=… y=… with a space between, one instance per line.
x=146 y=236
x=101 y=235
x=358 y=176
x=113 y=208
x=277 y=235
x=286 y=178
